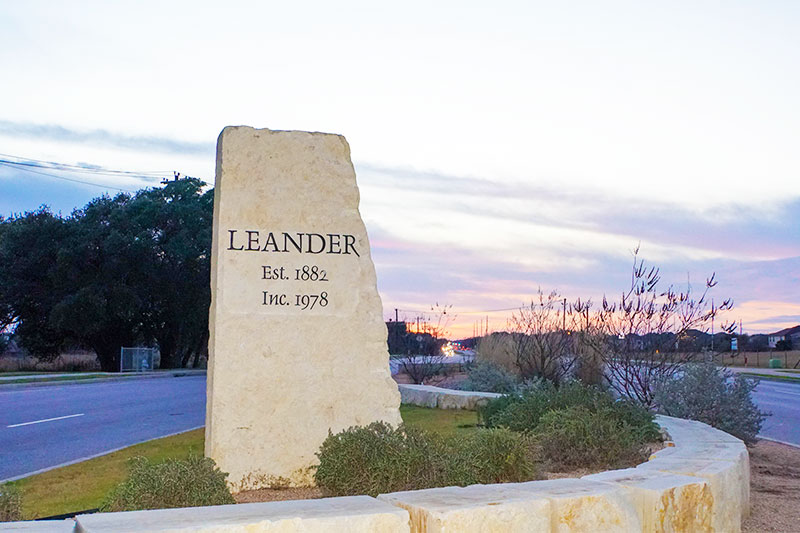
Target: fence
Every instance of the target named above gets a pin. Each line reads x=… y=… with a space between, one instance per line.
x=138 y=359
x=788 y=359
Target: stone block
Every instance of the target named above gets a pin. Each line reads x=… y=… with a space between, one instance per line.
x=297 y=341
x=429 y=396
x=666 y=503
x=347 y=515
x=726 y=480
x=474 y=509
x=584 y=506
x=418 y=395
x=691 y=431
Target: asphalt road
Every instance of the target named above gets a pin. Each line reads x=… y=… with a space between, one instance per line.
x=783 y=401
x=44 y=427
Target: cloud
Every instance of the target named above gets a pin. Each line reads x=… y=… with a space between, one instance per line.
x=58 y=133
x=445 y=208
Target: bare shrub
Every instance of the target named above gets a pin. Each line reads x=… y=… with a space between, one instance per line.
x=645 y=337
x=541 y=343
x=424 y=358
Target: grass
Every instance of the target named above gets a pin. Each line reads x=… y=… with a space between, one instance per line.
x=84 y=485
x=770 y=376
x=445 y=421
x=29 y=373
x=45 y=379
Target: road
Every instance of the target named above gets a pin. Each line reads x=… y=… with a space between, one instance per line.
x=783 y=401
x=44 y=427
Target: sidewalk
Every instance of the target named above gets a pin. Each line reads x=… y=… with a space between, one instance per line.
x=781 y=374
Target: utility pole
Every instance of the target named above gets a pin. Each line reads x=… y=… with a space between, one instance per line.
x=712 y=324
x=564 y=316
x=396 y=315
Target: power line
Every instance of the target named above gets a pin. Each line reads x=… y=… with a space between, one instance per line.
x=517 y=308
x=24 y=169
x=95 y=169
x=457 y=312
x=27 y=164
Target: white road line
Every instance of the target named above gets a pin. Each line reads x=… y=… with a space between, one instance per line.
x=44 y=420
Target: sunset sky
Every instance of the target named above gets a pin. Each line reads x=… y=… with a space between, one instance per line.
x=499 y=146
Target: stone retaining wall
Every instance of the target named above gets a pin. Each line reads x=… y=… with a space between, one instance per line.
x=699 y=482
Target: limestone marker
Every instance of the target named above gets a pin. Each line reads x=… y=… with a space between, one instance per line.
x=297 y=342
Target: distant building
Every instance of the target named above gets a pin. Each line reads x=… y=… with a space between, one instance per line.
x=792 y=335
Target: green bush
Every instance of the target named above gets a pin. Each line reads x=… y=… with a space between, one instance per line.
x=715 y=396
x=489 y=456
x=486 y=376
x=10 y=503
x=193 y=482
x=575 y=424
x=376 y=458
x=379 y=458
x=579 y=437
x=523 y=410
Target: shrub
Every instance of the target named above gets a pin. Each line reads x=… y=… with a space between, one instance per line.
x=193 y=482
x=489 y=456
x=523 y=410
x=715 y=396
x=376 y=458
x=379 y=458
x=486 y=376
x=578 y=437
x=575 y=424
x=10 y=503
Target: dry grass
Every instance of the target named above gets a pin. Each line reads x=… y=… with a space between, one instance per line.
x=66 y=362
x=760 y=359
x=497 y=349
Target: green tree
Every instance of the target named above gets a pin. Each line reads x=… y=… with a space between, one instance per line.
x=30 y=247
x=121 y=271
x=176 y=222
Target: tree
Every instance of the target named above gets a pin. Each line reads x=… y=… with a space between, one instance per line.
x=639 y=337
x=127 y=270
x=541 y=344
x=176 y=223
x=423 y=350
x=104 y=272
x=783 y=345
x=30 y=285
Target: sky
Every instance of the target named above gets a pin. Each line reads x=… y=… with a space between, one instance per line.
x=500 y=147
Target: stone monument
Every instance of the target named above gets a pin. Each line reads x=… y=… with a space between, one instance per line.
x=297 y=343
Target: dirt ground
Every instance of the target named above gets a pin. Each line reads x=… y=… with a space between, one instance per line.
x=774 y=489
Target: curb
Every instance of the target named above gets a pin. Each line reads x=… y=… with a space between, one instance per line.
x=176 y=374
